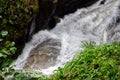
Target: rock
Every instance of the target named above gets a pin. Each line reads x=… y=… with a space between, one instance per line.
x=50 y=9
x=42 y=18
x=69 y=6
x=46 y=10
x=44 y=55
x=48 y=16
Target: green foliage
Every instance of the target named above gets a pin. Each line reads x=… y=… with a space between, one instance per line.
x=6 y=49
x=96 y=63
x=3 y=33
x=11 y=74
x=88 y=44
x=15 y=16
x=92 y=63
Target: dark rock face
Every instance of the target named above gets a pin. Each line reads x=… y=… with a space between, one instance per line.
x=51 y=10
x=68 y=6
x=41 y=19
x=46 y=10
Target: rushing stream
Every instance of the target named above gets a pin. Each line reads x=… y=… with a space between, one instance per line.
x=49 y=50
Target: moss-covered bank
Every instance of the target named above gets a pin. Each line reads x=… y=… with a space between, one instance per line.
x=100 y=62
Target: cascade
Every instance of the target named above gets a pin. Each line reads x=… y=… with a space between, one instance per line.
x=50 y=49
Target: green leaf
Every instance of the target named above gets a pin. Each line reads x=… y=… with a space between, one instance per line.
x=3 y=55
x=13 y=49
x=0 y=16
x=9 y=44
x=4 y=33
x=6 y=62
x=1 y=39
x=11 y=22
x=4 y=51
x=4 y=21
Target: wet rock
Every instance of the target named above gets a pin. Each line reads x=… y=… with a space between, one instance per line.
x=69 y=6
x=50 y=9
x=42 y=18
x=44 y=55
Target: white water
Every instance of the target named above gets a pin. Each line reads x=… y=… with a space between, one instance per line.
x=95 y=23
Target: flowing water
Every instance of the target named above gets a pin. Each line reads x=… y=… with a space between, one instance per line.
x=49 y=50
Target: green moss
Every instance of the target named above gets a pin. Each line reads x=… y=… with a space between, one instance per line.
x=93 y=63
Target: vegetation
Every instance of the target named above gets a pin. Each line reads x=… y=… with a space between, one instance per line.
x=5 y=51
x=14 y=18
x=92 y=63
x=15 y=15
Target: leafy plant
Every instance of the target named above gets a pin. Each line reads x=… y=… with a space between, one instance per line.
x=86 y=44
x=96 y=63
x=6 y=49
x=15 y=15
x=14 y=18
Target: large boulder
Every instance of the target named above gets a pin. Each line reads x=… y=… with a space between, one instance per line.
x=44 y=55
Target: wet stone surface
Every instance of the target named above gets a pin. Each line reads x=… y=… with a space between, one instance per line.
x=44 y=55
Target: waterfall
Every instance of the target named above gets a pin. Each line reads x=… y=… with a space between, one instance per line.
x=50 y=49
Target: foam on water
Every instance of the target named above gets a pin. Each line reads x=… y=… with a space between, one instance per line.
x=96 y=23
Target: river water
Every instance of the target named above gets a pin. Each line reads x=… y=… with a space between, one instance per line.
x=50 y=49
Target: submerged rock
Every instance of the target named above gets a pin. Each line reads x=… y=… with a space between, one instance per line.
x=44 y=55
